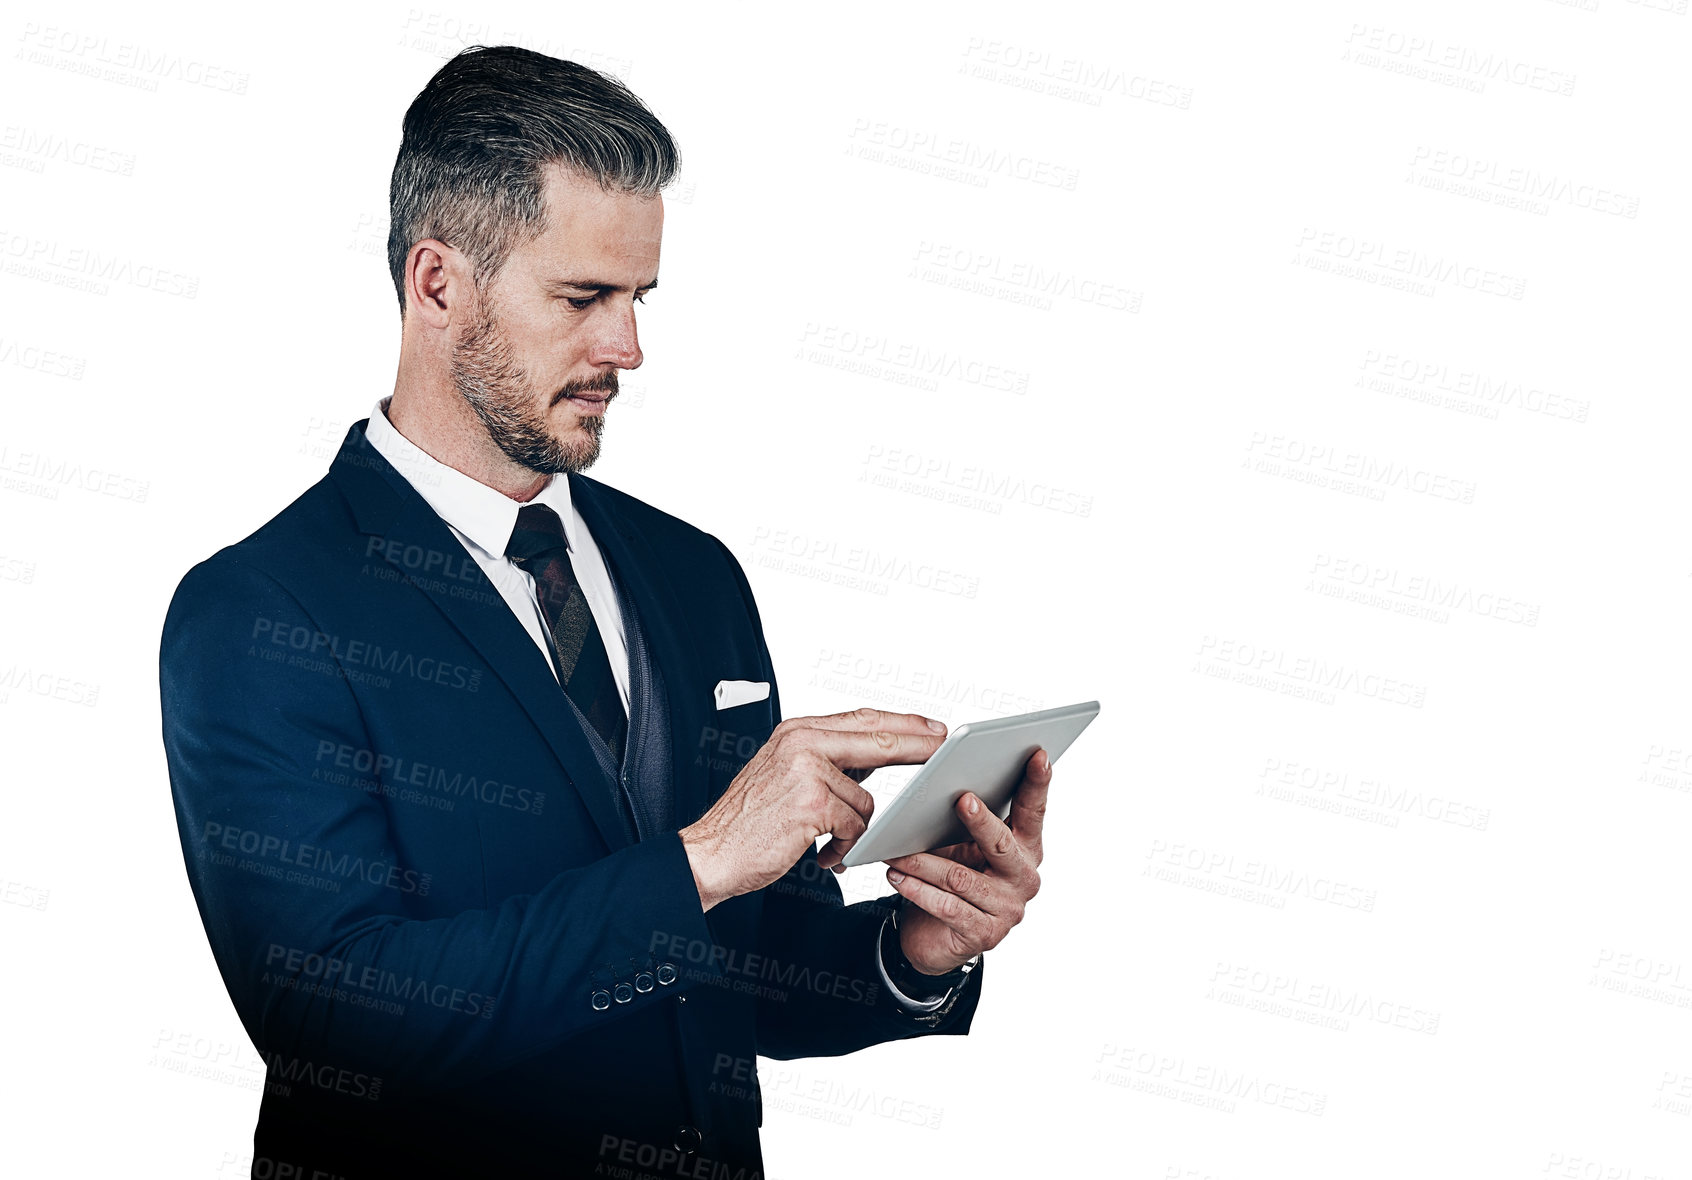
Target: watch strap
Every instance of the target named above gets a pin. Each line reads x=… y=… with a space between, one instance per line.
x=917 y=986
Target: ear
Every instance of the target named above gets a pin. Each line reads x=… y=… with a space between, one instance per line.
x=437 y=281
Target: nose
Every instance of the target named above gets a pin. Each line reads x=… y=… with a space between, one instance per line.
x=616 y=339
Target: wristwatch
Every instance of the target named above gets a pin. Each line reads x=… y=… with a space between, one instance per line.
x=928 y=991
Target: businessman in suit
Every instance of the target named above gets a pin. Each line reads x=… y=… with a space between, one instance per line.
x=505 y=853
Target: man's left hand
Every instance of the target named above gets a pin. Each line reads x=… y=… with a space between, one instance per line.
x=966 y=897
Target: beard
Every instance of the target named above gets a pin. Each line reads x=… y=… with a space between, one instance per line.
x=513 y=410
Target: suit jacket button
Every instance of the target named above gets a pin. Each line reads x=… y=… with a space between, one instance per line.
x=643 y=982
x=688 y=1138
x=666 y=973
x=601 y=1000
x=623 y=993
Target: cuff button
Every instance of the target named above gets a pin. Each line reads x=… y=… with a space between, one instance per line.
x=623 y=993
x=666 y=973
x=601 y=1000
x=643 y=982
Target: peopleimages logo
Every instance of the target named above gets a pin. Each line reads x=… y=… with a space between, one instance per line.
x=291 y=968
x=1367 y=256
x=310 y=857
x=285 y=1072
x=1261 y=874
x=393 y=774
x=459 y=567
x=363 y=654
x=55 y=473
x=752 y=969
x=97 y=55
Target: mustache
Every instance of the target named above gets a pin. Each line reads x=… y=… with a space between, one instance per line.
x=605 y=383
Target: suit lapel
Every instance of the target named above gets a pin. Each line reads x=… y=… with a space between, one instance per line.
x=387 y=507
x=671 y=643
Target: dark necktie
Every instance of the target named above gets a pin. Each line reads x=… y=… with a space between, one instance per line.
x=538 y=545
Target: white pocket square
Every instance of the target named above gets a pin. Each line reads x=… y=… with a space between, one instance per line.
x=730 y=693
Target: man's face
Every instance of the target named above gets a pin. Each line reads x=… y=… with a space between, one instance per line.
x=538 y=362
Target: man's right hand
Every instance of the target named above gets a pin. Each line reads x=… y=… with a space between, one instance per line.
x=797 y=787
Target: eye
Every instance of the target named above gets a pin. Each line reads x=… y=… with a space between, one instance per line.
x=580 y=304
x=640 y=297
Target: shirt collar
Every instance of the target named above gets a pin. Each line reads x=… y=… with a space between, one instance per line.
x=483 y=514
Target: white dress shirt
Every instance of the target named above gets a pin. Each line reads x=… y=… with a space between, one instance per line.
x=482 y=519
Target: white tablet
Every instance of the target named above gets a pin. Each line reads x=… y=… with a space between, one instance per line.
x=987 y=757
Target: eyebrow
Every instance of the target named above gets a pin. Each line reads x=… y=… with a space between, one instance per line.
x=596 y=286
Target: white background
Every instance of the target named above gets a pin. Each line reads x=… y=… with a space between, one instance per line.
x=1024 y=355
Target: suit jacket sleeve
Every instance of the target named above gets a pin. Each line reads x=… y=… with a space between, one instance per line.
x=807 y=932
x=355 y=976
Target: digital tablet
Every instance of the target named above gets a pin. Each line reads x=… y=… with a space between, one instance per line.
x=987 y=757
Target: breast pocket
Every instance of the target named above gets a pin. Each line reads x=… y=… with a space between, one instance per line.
x=733 y=735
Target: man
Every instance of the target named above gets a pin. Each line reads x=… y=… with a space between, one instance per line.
x=496 y=887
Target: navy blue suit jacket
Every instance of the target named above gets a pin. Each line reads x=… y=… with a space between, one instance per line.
x=418 y=890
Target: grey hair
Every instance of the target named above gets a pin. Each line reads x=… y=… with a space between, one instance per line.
x=477 y=141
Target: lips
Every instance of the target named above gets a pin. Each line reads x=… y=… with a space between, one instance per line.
x=588 y=403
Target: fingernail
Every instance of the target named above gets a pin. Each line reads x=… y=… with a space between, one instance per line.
x=895 y=876
x=972 y=804
x=937 y=726
x=1048 y=762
